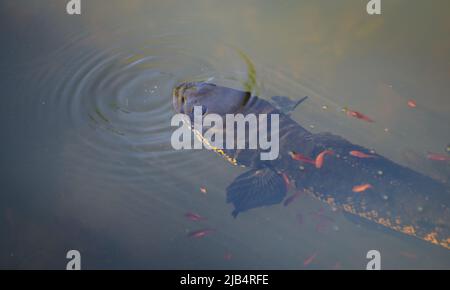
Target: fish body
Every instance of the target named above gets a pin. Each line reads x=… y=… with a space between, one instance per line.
x=400 y=199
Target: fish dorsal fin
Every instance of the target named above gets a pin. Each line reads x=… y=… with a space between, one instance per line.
x=256 y=188
x=285 y=104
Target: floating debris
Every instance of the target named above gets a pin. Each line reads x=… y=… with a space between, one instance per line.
x=101 y=115
x=203 y=190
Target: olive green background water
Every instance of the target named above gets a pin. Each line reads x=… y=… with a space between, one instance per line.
x=86 y=161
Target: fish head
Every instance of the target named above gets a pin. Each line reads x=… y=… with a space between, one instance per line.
x=213 y=99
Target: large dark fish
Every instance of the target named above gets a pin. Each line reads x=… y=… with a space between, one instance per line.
x=398 y=198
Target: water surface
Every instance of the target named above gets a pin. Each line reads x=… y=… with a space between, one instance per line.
x=86 y=160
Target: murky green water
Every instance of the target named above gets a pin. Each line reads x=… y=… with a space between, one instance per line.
x=86 y=160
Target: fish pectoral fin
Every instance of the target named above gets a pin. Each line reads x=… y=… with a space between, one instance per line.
x=256 y=188
x=285 y=104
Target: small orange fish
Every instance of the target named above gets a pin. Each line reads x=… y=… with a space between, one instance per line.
x=320 y=158
x=412 y=104
x=194 y=217
x=360 y=154
x=438 y=157
x=203 y=190
x=300 y=157
x=358 y=115
x=309 y=260
x=361 y=188
x=200 y=233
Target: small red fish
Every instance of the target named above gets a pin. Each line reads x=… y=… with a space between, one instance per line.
x=287 y=182
x=227 y=256
x=358 y=115
x=300 y=157
x=320 y=158
x=200 y=233
x=194 y=217
x=360 y=154
x=309 y=260
x=412 y=104
x=203 y=190
x=361 y=188
x=438 y=157
x=293 y=197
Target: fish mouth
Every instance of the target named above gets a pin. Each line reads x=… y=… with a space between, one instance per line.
x=179 y=98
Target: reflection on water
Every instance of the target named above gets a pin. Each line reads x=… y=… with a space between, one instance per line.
x=86 y=156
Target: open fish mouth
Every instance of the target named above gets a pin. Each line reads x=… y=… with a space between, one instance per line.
x=178 y=98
